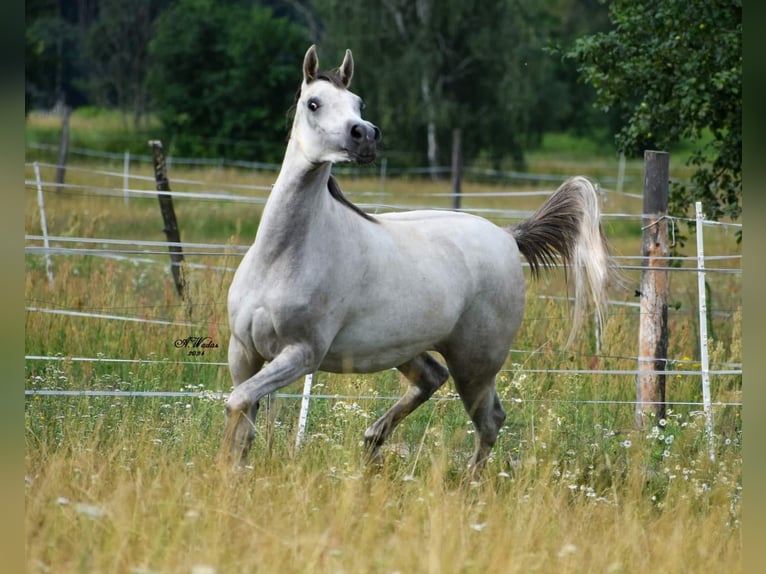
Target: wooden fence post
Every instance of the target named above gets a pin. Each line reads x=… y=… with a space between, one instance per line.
x=169 y=217
x=63 y=147
x=457 y=167
x=383 y=168
x=653 y=328
x=126 y=176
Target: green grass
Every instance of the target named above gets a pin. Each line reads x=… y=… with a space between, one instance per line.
x=571 y=147
x=133 y=484
x=93 y=128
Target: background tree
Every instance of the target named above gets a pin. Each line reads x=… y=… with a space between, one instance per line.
x=54 y=55
x=673 y=71
x=117 y=49
x=223 y=76
x=428 y=67
x=567 y=103
x=220 y=75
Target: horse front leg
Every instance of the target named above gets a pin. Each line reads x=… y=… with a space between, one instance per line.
x=242 y=405
x=244 y=363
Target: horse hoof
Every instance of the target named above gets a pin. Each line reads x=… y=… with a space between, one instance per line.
x=374 y=458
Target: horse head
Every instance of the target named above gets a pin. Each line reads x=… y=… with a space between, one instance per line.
x=328 y=125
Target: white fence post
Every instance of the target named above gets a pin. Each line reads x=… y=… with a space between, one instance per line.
x=44 y=224
x=704 y=359
x=304 y=409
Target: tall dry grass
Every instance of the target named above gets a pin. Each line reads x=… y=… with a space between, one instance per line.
x=137 y=493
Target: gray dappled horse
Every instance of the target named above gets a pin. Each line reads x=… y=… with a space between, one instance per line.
x=328 y=287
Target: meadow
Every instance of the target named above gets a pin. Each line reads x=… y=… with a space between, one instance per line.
x=124 y=483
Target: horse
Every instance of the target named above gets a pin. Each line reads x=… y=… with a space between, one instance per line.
x=327 y=286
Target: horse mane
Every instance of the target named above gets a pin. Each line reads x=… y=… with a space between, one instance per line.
x=337 y=194
x=332 y=76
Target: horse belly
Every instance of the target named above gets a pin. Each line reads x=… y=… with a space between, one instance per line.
x=359 y=359
x=387 y=338
x=355 y=362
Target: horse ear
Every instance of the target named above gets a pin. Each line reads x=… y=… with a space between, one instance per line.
x=310 y=64
x=347 y=69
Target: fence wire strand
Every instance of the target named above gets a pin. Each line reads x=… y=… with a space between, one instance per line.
x=109 y=247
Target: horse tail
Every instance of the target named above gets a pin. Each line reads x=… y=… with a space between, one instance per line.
x=568 y=224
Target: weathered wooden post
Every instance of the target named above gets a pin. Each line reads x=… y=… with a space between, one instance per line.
x=169 y=217
x=126 y=176
x=653 y=327
x=457 y=167
x=63 y=147
x=383 y=168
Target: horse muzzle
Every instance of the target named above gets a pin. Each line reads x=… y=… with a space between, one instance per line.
x=363 y=142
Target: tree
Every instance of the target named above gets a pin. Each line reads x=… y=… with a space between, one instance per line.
x=428 y=67
x=53 y=60
x=567 y=103
x=673 y=70
x=223 y=76
x=117 y=48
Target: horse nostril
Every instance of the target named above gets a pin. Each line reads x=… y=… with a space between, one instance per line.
x=365 y=132
x=357 y=132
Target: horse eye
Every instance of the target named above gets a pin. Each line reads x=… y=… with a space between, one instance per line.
x=313 y=104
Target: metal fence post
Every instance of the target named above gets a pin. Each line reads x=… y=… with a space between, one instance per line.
x=704 y=358
x=43 y=224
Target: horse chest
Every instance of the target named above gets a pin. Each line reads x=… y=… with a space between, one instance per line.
x=271 y=310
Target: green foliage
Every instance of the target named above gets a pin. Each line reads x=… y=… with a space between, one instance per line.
x=567 y=103
x=222 y=74
x=52 y=61
x=117 y=49
x=673 y=71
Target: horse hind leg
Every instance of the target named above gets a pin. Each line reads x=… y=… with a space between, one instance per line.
x=426 y=375
x=483 y=405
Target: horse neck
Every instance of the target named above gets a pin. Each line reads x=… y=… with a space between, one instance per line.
x=297 y=200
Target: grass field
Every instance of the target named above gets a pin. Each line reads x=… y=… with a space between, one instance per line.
x=132 y=484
